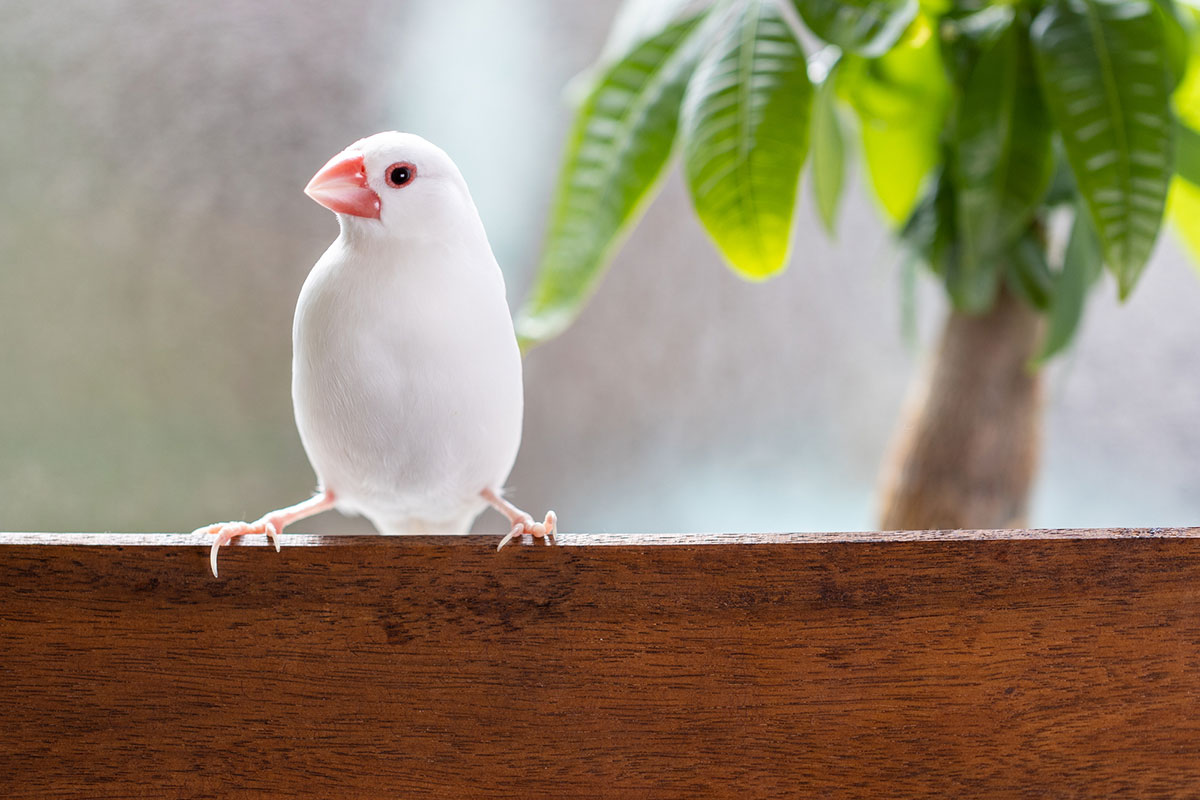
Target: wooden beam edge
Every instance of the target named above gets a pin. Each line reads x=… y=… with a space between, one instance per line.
x=605 y=539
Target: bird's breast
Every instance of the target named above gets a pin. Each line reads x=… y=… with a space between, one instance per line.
x=406 y=384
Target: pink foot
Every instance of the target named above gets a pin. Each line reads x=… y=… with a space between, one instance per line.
x=225 y=532
x=271 y=524
x=538 y=530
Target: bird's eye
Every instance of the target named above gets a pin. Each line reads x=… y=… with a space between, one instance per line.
x=400 y=174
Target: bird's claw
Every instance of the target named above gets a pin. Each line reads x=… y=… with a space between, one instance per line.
x=225 y=532
x=544 y=530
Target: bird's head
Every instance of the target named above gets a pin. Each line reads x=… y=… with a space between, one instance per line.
x=392 y=183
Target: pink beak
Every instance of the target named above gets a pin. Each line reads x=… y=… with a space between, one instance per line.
x=341 y=186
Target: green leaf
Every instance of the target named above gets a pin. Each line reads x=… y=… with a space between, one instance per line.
x=983 y=27
x=617 y=150
x=866 y=27
x=828 y=151
x=1187 y=154
x=1028 y=275
x=639 y=20
x=1183 y=209
x=901 y=100
x=1105 y=79
x=932 y=233
x=635 y=22
x=1176 y=37
x=745 y=136
x=1183 y=201
x=1080 y=267
x=919 y=233
x=971 y=285
x=1003 y=161
x=936 y=8
x=1063 y=190
x=1186 y=98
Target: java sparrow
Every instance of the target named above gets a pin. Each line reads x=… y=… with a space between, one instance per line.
x=406 y=374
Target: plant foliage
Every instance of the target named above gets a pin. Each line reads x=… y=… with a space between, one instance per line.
x=1106 y=79
x=745 y=136
x=977 y=122
x=618 y=149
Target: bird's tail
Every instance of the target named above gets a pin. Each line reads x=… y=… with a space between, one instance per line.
x=414 y=526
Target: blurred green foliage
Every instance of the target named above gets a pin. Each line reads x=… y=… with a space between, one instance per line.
x=978 y=123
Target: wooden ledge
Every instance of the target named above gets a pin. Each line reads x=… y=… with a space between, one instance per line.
x=929 y=664
x=604 y=539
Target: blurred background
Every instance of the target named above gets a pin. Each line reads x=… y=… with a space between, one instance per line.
x=154 y=237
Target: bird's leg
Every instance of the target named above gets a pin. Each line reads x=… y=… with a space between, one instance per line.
x=522 y=522
x=271 y=524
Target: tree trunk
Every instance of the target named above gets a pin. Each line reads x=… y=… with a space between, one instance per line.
x=967 y=447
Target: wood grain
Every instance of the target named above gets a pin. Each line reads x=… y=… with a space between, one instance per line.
x=1032 y=664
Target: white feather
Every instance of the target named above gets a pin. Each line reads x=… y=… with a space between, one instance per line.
x=406 y=375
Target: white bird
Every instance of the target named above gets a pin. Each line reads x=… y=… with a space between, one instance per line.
x=406 y=375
